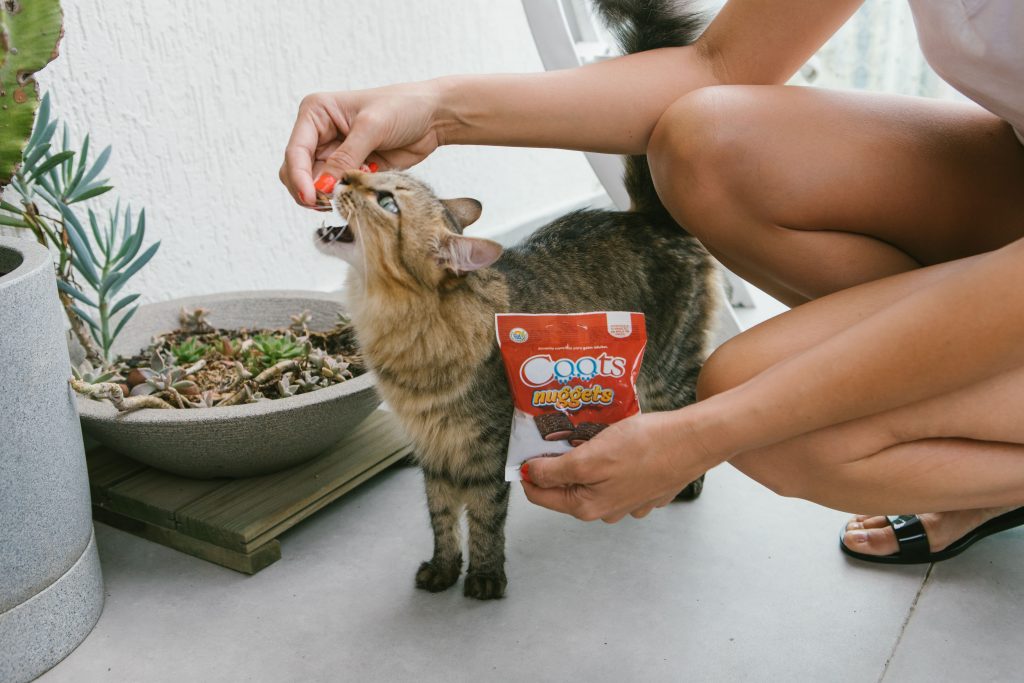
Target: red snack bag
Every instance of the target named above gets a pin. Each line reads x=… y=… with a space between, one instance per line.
x=571 y=375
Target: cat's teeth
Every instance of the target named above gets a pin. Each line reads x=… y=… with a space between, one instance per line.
x=331 y=233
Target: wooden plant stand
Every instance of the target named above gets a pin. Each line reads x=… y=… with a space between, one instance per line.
x=235 y=522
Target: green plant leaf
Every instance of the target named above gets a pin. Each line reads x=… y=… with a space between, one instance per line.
x=83 y=157
x=107 y=282
x=13 y=222
x=134 y=241
x=122 y=303
x=87 y=319
x=97 y=233
x=7 y=206
x=32 y=158
x=89 y=193
x=79 y=243
x=97 y=166
x=124 y=320
x=55 y=181
x=133 y=268
x=89 y=275
x=42 y=121
x=52 y=162
x=72 y=291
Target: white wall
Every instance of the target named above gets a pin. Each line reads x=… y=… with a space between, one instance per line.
x=198 y=98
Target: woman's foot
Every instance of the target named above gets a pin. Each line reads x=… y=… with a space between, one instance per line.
x=873 y=535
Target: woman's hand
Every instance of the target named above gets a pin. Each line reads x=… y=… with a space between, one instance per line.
x=394 y=127
x=632 y=467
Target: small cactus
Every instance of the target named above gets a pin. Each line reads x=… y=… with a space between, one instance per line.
x=31 y=31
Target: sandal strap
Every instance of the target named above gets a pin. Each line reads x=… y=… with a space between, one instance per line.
x=911 y=536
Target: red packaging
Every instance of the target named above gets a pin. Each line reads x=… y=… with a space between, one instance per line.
x=571 y=375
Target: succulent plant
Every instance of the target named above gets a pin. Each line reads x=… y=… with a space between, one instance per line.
x=93 y=263
x=195 y=320
x=328 y=366
x=189 y=351
x=162 y=377
x=307 y=381
x=285 y=388
x=230 y=348
x=206 y=370
x=274 y=348
x=90 y=375
x=207 y=399
x=300 y=323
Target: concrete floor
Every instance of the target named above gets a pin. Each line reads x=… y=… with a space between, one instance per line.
x=738 y=585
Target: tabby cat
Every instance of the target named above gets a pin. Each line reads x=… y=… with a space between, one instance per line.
x=422 y=296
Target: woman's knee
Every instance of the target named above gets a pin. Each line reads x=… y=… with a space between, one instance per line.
x=730 y=365
x=696 y=151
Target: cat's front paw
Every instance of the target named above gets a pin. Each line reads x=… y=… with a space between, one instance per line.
x=435 y=579
x=485 y=586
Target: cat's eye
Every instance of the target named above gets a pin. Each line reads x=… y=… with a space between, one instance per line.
x=386 y=200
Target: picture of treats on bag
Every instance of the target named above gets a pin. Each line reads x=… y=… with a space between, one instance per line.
x=585 y=431
x=553 y=426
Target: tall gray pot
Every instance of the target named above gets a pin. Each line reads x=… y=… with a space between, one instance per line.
x=51 y=589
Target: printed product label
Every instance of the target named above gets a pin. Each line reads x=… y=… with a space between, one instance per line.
x=571 y=375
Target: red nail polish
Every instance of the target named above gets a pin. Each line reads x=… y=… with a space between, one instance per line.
x=373 y=167
x=524 y=470
x=325 y=183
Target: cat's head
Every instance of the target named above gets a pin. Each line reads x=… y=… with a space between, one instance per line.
x=398 y=230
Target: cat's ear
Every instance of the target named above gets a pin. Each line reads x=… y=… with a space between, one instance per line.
x=461 y=254
x=465 y=210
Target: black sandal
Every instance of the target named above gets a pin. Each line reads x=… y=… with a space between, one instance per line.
x=913 y=541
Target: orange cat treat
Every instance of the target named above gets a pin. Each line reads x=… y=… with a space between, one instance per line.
x=571 y=375
x=325 y=183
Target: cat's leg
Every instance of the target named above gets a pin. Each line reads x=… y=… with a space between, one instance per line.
x=486 y=508
x=444 y=501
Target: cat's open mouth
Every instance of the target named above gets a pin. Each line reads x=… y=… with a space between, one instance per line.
x=336 y=233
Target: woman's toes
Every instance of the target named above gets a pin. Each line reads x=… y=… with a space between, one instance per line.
x=871 y=541
x=867 y=522
x=877 y=522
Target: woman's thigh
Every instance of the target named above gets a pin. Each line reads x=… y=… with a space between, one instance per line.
x=776 y=339
x=962 y=446
x=922 y=179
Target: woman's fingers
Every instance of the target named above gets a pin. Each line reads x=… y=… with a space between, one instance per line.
x=645 y=510
x=355 y=147
x=308 y=134
x=640 y=513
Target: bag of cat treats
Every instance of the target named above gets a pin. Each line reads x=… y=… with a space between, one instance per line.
x=571 y=375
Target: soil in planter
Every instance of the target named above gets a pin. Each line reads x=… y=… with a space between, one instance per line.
x=197 y=366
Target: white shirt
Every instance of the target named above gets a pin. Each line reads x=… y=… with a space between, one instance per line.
x=977 y=46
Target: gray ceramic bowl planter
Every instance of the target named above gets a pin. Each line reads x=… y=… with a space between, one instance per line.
x=51 y=589
x=232 y=441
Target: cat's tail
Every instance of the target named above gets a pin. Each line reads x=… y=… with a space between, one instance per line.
x=641 y=25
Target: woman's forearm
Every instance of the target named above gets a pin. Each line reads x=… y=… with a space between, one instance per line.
x=610 y=106
x=958 y=331
x=613 y=105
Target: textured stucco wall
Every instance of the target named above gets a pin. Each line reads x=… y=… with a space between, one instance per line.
x=198 y=98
